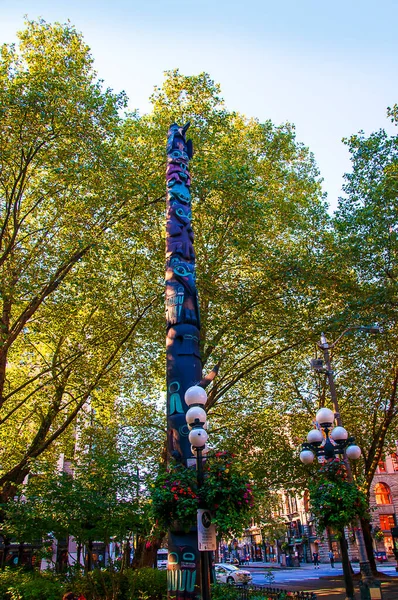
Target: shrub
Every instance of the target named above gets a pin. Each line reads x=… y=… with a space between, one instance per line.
x=146 y=583
x=17 y=584
x=222 y=591
x=140 y=584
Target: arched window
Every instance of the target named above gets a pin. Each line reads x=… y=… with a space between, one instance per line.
x=382 y=494
x=307 y=501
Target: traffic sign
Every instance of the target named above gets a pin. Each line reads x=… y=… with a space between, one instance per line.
x=206 y=531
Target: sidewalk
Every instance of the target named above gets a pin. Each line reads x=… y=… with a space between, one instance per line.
x=328 y=586
x=271 y=565
x=333 y=587
x=275 y=565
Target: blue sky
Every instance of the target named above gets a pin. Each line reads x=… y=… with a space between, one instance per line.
x=328 y=67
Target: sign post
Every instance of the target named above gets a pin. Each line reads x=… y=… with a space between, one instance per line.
x=207 y=539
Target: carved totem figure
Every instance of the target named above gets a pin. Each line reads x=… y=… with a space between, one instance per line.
x=184 y=366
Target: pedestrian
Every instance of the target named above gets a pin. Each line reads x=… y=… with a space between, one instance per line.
x=331 y=558
x=315 y=556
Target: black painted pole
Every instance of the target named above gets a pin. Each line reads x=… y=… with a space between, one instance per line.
x=204 y=554
x=183 y=362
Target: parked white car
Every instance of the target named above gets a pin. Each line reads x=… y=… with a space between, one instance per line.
x=227 y=573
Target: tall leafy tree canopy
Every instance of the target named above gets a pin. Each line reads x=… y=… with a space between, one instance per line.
x=72 y=294
x=82 y=210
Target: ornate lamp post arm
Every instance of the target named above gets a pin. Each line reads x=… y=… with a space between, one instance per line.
x=324 y=346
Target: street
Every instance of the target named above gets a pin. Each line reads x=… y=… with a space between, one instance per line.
x=305 y=572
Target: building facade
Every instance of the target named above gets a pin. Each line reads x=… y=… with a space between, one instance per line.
x=384 y=503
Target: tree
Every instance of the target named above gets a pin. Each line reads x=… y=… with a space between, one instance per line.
x=366 y=244
x=97 y=498
x=72 y=288
x=257 y=212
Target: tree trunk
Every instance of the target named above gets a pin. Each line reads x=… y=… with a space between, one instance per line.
x=88 y=562
x=126 y=558
x=347 y=571
x=145 y=552
x=367 y=537
x=7 y=542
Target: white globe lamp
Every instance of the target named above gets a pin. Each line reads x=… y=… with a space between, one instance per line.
x=325 y=416
x=315 y=437
x=195 y=395
x=339 y=434
x=205 y=450
x=198 y=437
x=195 y=416
x=353 y=452
x=307 y=457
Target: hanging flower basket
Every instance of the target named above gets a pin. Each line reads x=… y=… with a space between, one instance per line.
x=226 y=492
x=335 y=501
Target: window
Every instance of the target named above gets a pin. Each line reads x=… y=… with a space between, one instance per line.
x=382 y=494
x=386 y=522
x=394 y=458
x=382 y=466
x=307 y=501
x=292 y=504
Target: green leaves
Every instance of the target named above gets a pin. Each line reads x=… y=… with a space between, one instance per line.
x=95 y=499
x=226 y=491
x=335 y=501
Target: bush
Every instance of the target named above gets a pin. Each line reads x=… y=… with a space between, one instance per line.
x=132 y=584
x=140 y=584
x=146 y=583
x=99 y=585
x=222 y=591
x=17 y=584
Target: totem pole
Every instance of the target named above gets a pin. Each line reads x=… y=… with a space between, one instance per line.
x=184 y=366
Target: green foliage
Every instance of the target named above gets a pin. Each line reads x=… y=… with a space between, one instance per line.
x=82 y=251
x=96 y=500
x=366 y=251
x=226 y=491
x=21 y=585
x=73 y=289
x=335 y=501
x=220 y=591
x=151 y=582
x=140 y=584
x=175 y=498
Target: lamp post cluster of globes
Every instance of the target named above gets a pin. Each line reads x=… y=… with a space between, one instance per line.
x=196 y=398
x=326 y=441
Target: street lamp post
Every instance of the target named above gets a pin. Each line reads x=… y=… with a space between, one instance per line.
x=326 y=443
x=324 y=345
x=195 y=398
x=326 y=367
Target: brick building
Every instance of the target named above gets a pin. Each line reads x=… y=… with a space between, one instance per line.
x=384 y=501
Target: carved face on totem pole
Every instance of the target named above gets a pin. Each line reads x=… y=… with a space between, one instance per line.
x=181 y=571
x=180 y=240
